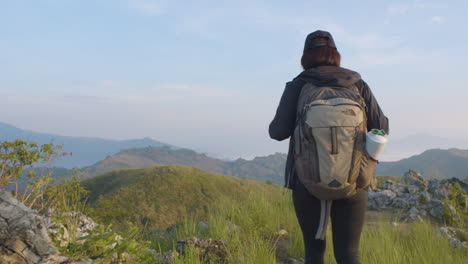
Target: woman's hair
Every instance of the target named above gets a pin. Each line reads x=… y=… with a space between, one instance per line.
x=320 y=56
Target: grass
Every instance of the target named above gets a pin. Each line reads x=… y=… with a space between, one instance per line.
x=247 y=215
x=249 y=228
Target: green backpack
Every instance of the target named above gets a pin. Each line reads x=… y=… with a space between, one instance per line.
x=329 y=151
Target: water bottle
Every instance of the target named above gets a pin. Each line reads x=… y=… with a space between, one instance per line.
x=375 y=143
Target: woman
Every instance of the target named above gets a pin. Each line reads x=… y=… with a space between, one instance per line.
x=321 y=64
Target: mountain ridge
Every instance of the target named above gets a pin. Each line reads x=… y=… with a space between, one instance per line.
x=85 y=150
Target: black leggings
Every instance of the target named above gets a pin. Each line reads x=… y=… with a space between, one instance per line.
x=347 y=219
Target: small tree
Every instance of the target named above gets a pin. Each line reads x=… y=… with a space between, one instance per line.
x=18 y=156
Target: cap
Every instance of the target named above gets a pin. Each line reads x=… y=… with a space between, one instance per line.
x=309 y=43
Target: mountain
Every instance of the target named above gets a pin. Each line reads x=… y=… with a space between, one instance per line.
x=268 y=168
x=85 y=150
x=411 y=145
x=433 y=163
x=160 y=196
x=152 y=156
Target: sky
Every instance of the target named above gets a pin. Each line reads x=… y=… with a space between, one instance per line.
x=208 y=75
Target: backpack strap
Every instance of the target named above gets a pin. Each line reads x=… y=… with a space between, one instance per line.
x=325 y=210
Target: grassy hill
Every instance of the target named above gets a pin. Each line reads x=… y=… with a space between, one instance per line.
x=244 y=213
x=433 y=163
x=268 y=168
x=160 y=196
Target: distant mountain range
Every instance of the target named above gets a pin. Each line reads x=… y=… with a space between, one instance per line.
x=400 y=148
x=85 y=150
x=433 y=163
x=101 y=155
x=268 y=168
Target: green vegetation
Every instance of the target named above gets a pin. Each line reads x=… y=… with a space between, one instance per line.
x=381 y=179
x=457 y=199
x=158 y=197
x=260 y=168
x=153 y=208
x=250 y=228
x=17 y=159
x=245 y=214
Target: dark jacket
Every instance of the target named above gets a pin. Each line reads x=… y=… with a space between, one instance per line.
x=283 y=124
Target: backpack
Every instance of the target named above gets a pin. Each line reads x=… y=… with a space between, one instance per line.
x=329 y=145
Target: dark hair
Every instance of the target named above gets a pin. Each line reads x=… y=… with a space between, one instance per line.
x=320 y=56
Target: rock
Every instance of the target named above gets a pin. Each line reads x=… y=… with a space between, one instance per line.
x=414 y=178
x=59 y=233
x=414 y=214
x=440 y=211
x=437 y=209
x=424 y=197
x=400 y=203
x=380 y=199
x=394 y=187
x=23 y=234
x=451 y=234
x=442 y=189
x=64 y=234
x=405 y=201
x=65 y=260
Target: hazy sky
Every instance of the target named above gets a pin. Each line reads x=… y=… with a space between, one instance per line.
x=208 y=75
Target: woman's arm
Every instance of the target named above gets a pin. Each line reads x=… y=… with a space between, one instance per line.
x=284 y=121
x=375 y=116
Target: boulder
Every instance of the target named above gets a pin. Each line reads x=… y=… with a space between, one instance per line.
x=23 y=233
x=81 y=226
x=380 y=199
x=415 y=214
x=394 y=186
x=415 y=181
x=440 y=211
x=442 y=189
x=451 y=234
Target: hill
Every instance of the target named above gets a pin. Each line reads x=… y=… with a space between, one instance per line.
x=160 y=196
x=433 y=163
x=86 y=150
x=411 y=145
x=268 y=168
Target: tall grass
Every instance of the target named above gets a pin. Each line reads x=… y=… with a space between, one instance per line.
x=249 y=226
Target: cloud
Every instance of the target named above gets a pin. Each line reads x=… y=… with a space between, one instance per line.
x=398 y=11
x=162 y=93
x=437 y=19
x=147 y=7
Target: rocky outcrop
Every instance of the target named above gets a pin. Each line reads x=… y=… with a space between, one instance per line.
x=451 y=234
x=415 y=181
x=23 y=233
x=62 y=233
x=417 y=197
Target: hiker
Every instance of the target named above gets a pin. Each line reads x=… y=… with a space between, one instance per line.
x=327 y=167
